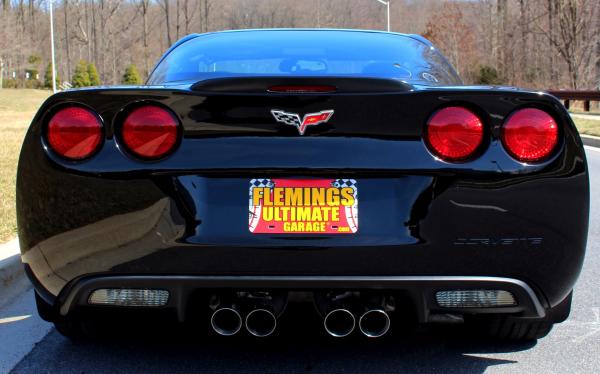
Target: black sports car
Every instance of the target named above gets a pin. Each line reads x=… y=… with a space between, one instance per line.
x=349 y=169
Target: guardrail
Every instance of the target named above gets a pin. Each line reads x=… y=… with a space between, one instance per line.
x=572 y=95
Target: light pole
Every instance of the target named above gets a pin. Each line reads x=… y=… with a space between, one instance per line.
x=52 y=48
x=387 y=4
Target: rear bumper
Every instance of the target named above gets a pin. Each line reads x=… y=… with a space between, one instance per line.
x=419 y=290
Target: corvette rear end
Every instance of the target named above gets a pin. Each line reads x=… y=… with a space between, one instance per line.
x=306 y=167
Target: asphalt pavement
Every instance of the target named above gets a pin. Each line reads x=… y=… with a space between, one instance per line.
x=29 y=345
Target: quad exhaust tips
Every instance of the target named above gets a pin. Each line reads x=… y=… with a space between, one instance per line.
x=339 y=322
x=257 y=311
x=343 y=313
x=374 y=323
x=226 y=321
x=261 y=322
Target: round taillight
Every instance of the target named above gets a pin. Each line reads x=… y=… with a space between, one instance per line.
x=150 y=131
x=74 y=132
x=530 y=135
x=454 y=133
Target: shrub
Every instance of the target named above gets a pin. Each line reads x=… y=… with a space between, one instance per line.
x=81 y=77
x=93 y=74
x=488 y=75
x=131 y=75
x=48 y=77
x=33 y=83
x=10 y=83
x=34 y=60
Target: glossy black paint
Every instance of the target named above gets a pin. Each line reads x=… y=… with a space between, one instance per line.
x=187 y=214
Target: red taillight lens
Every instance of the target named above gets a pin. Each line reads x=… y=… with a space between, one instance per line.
x=74 y=132
x=530 y=135
x=150 y=131
x=454 y=133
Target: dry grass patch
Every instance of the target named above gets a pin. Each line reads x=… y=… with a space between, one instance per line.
x=587 y=126
x=17 y=108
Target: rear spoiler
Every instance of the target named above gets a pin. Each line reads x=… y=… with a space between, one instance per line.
x=296 y=85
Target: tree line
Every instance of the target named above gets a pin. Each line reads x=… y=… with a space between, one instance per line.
x=546 y=44
x=85 y=75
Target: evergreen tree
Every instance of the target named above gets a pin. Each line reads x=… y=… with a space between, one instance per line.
x=488 y=75
x=131 y=75
x=34 y=60
x=81 y=77
x=48 y=77
x=93 y=74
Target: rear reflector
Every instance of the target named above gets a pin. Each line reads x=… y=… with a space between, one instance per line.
x=474 y=298
x=530 y=135
x=454 y=133
x=129 y=297
x=74 y=132
x=150 y=131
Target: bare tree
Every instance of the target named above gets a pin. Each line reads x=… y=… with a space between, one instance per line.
x=574 y=35
x=204 y=7
x=539 y=43
x=65 y=6
x=597 y=78
x=188 y=15
x=165 y=4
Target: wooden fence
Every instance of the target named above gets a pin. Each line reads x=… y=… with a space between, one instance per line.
x=572 y=95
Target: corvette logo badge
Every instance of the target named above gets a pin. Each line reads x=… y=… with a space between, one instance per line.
x=310 y=119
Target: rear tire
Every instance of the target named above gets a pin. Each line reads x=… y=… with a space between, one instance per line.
x=515 y=329
x=45 y=310
x=78 y=329
x=70 y=328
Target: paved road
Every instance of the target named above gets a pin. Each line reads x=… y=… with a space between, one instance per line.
x=573 y=346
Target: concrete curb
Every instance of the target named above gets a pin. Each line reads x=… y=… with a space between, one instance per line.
x=592 y=141
x=11 y=271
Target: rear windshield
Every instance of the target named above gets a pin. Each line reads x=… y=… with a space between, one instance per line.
x=305 y=53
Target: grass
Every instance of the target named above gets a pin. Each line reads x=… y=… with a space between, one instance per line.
x=593 y=110
x=17 y=108
x=587 y=126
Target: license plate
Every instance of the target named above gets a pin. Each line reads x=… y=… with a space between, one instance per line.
x=303 y=206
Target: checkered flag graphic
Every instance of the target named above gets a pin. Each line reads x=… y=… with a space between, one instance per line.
x=339 y=183
x=254 y=211
x=262 y=182
x=287 y=118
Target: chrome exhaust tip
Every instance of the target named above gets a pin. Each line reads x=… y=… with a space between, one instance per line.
x=339 y=323
x=226 y=321
x=374 y=323
x=261 y=322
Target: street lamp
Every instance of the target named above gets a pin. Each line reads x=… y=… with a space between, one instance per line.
x=387 y=4
x=52 y=48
